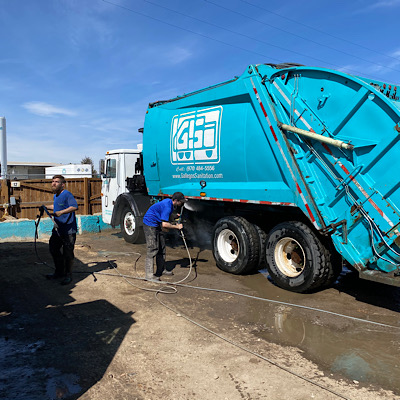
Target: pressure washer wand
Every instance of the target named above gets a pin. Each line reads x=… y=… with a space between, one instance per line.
x=44 y=208
x=179 y=221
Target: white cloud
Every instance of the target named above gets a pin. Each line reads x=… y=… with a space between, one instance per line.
x=349 y=69
x=162 y=55
x=47 y=110
x=177 y=55
x=40 y=144
x=376 y=71
x=396 y=54
x=385 y=4
x=113 y=126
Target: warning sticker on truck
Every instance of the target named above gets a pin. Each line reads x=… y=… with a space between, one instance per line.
x=195 y=137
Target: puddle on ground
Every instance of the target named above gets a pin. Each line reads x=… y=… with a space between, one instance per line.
x=59 y=385
x=20 y=379
x=358 y=351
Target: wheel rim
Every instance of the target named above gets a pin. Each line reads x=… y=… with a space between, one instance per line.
x=129 y=223
x=290 y=257
x=228 y=245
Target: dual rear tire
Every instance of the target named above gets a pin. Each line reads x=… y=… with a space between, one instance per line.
x=235 y=245
x=297 y=260
x=294 y=255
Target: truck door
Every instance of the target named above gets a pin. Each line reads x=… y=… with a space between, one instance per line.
x=111 y=187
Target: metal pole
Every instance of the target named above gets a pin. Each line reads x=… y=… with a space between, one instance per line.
x=316 y=136
x=3 y=148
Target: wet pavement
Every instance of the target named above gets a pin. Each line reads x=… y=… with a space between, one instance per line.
x=31 y=380
x=351 y=345
x=357 y=350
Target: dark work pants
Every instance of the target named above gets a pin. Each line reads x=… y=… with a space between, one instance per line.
x=62 y=260
x=155 y=242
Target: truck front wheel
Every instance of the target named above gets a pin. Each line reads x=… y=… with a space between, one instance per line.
x=130 y=229
x=235 y=245
x=296 y=258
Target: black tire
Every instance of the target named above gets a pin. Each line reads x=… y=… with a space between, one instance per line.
x=262 y=242
x=335 y=267
x=130 y=229
x=296 y=258
x=235 y=245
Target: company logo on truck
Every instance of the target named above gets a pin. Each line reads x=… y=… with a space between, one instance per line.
x=195 y=137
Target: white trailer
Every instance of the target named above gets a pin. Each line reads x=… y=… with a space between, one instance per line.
x=70 y=171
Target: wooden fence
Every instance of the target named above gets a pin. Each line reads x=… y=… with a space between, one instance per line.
x=32 y=193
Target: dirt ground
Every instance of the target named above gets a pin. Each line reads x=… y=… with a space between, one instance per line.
x=103 y=337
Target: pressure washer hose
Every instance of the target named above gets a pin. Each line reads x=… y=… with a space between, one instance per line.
x=170 y=288
x=42 y=210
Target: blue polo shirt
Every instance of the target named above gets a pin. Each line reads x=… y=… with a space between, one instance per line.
x=66 y=223
x=158 y=212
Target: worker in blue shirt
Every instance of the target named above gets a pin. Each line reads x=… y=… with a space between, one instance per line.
x=155 y=220
x=64 y=231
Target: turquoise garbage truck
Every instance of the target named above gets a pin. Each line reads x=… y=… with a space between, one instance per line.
x=294 y=166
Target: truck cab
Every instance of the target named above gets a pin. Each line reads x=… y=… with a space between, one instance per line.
x=119 y=165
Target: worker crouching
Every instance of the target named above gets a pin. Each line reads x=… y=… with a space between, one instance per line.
x=155 y=220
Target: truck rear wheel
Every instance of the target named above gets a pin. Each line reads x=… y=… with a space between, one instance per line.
x=130 y=229
x=235 y=245
x=262 y=241
x=335 y=265
x=296 y=258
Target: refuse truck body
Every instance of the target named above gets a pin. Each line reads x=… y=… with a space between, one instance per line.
x=295 y=167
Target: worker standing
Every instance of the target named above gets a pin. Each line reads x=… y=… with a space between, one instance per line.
x=64 y=231
x=155 y=220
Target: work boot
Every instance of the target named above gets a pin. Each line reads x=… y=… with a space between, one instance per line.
x=153 y=279
x=66 y=281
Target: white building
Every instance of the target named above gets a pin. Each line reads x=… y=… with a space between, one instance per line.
x=27 y=170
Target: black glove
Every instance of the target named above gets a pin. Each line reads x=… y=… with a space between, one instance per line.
x=41 y=210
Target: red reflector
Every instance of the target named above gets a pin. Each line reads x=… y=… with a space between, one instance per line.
x=283 y=76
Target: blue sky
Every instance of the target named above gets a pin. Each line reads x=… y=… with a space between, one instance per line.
x=76 y=76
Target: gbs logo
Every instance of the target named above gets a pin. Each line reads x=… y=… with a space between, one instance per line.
x=195 y=137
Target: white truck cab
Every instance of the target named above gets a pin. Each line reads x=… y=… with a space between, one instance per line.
x=119 y=165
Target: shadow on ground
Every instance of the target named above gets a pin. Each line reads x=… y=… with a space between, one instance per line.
x=374 y=293
x=50 y=348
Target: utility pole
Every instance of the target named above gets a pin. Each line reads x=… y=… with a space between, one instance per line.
x=4 y=194
x=3 y=148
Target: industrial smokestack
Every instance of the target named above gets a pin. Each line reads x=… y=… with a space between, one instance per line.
x=3 y=148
